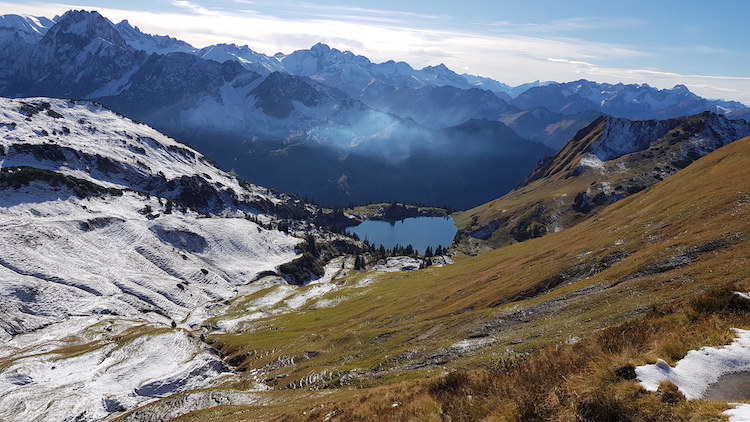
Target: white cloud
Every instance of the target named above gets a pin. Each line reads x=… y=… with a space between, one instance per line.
x=194 y=8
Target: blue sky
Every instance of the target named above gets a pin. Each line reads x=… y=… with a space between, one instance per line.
x=660 y=42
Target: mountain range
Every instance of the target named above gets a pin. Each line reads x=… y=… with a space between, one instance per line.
x=372 y=126
x=141 y=282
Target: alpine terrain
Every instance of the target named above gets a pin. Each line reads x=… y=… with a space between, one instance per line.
x=116 y=242
x=607 y=161
x=599 y=271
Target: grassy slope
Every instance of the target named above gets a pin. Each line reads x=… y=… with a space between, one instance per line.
x=677 y=238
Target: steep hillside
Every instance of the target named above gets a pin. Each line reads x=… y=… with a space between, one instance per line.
x=551 y=129
x=609 y=160
x=115 y=241
x=111 y=193
x=370 y=340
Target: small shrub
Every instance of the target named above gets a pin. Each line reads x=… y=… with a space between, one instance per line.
x=601 y=406
x=670 y=394
x=626 y=373
x=450 y=384
x=635 y=189
x=721 y=299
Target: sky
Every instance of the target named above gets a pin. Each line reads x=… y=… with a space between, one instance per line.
x=663 y=43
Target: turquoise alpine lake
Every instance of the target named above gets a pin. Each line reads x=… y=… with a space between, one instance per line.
x=420 y=232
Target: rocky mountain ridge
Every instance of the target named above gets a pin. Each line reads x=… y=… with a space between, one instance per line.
x=607 y=161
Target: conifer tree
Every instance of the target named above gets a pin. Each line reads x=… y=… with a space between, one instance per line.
x=359 y=263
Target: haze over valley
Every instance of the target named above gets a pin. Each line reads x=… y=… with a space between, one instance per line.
x=177 y=226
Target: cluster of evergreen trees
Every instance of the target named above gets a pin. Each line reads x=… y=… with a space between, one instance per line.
x=399 y=250
x=381 y=252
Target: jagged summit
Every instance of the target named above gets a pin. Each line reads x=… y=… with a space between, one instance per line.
x=151 y=43
x=248 y=58
x=80 y=27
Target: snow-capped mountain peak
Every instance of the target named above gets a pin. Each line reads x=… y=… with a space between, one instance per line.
x=80 y=27
x=632 y=101
x=158 y=44
x=248 y=58
x=29 y=28
x=678 y=89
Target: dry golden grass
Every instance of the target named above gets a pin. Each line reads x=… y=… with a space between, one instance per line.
x=583 y=381
x=591 y=380
x=625 y=282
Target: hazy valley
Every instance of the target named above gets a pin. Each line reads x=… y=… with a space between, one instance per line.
x=173 y=247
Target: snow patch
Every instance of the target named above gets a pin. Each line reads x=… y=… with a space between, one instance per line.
x=592 y=161
x=398 y=263
x=700 y=368
x=741 y=413
x=46 y=380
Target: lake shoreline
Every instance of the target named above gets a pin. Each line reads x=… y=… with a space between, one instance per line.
x=420 y=232
x=343 y=218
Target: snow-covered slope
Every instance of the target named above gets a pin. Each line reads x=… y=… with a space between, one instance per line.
x=30 y=29
x=114 y=242
x=89 y=368
x=77 y=188
x=90 y=142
